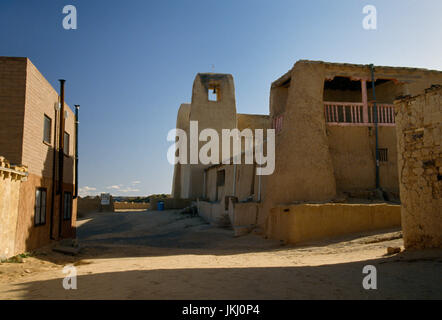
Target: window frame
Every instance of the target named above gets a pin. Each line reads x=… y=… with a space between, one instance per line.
x=66 y=143
x=45 y=116
x=38 y=204
x=67 y=217
x=383 y=155
x=216 y=93
x=221 y=178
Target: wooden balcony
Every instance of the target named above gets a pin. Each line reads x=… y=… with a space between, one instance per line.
x=356 y=114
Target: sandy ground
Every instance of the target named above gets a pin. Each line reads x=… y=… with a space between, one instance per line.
x=166 y=255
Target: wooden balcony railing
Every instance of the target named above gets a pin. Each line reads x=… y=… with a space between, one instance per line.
x=355 y=114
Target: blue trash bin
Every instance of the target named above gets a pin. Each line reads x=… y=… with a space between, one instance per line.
x=160 y=205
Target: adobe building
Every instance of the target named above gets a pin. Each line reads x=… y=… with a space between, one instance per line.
x=232 y=192
x=325 y=123
x=213 y=106
x=32 y=121
x=217 y=112
x=419 y=130
x=323 y=114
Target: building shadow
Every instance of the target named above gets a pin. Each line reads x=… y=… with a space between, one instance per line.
x=397 y=278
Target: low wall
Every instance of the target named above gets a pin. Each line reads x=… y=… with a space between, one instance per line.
x=213 y=212
x=86 y=205
x=305 y=222
x=10 y=181
x=170 y=203
x=243 y=213
x=131 y=205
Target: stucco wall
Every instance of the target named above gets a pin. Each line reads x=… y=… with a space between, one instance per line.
x=305 y=222
x=303 y=164
x=10 y=182
x=419 y=130
x=307 y=166
x=243 y=213
x=217 y=115
x=179 y=179
x=213 y=212
x=353 y=153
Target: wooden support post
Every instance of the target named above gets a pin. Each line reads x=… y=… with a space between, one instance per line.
x=364 y=101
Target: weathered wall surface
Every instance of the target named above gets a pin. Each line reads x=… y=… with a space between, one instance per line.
x=10 y=181
x=312 y=166
x=353 y=153
x=213 y=212
x=306 y=222
x=419 y=130
x=252 y=121
x=243 y=213
x=303 y=163
x=180 y=182
x=217 y=115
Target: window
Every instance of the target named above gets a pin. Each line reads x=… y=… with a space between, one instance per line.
x=220 y=178
x=67 y=212
x=40 y=207
x=383 y=154
x=47 y=126
x=213 y=93
x=66 y=143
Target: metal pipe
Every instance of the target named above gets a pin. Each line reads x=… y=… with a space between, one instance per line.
x=61 y=156
x=77 y=108
x=234 y=180
x=260 y=176
x=54 y=172
x=204 y=184
x=375 y=117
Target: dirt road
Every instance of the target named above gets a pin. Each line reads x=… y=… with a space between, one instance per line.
x=166 y=255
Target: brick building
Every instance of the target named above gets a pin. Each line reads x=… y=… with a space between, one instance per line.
x=30 y=127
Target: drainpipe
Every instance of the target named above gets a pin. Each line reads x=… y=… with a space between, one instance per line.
x=204 y=184
x=61 y=156
x=54 y=172
x=77 y=108
x=260 y=177
x=375 y=117
x=234 y=180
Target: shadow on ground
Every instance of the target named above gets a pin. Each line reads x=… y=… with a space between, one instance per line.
x=167 y=233
x=397 y=279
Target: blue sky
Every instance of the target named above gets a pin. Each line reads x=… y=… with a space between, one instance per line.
x=130 y=64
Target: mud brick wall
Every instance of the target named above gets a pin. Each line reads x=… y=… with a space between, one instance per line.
x=419 y=132
x=11 y=178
